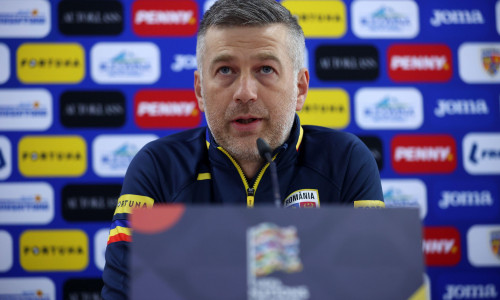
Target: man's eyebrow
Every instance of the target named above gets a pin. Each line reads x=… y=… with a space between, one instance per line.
x=268 y=56
x=221 y=58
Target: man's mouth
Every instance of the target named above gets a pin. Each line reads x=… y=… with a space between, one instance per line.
x=246 y=121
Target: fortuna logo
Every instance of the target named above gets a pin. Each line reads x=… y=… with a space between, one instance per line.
x=302 y=198
x=465 y=199
x=461 y=107
x=167 y=109
x=420 y=63
x=451 y=17
x=165 y=17
x=423 y=154
x=470 y=291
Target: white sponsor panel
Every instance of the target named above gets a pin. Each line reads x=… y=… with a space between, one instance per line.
x=125 y=63
x=26 y=203
x=389 y=108
x=385 y=19
x=481 y=153
x=497 y=10
x=483 y=242
x=208 y=4
x=25 y=109
x=405 y=193
x=111 y=154
x=478 y=62
x=5 y=63
x=5 y=158
x=27 y=288
x=24 y=19
x=6 y=251
x=100 y=243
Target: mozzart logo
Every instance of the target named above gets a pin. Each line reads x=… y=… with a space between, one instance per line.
x=479 y=62
x=25 y=109
x=326 y=107
x=50 y=63
x=483 y=245
x=460 y=107
x=389 y=108
x=113 y=153
x=26 y=203
x=165 y=18
x=183 y=62
x=53 y=250
x=424 y=154
x=24 y=19
x=319 y=18
x=90 y=17
x=405 y=193
x=92 y=109
x=385 y=19
x=5 y=157
x=166 y=109
x=39 y=288
x=5 y=62
x=481 y=153
x=441 y=246
x=52 y=156
x=347 y=62
x=6 y=248
x=89 y=202
x=137 y=63
x=456 y=17
x=419 y=62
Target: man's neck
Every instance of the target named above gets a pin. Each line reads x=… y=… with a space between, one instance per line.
x=250 y=168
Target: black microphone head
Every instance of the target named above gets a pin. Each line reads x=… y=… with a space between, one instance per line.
x=264 y=148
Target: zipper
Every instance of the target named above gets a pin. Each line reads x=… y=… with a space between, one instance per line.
x=250 y=191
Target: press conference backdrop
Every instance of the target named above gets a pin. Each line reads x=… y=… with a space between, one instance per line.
x=85 y=84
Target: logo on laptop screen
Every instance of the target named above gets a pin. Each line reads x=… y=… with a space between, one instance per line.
x=273 y=249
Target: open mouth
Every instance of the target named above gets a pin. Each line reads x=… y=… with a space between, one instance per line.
x=246 y=121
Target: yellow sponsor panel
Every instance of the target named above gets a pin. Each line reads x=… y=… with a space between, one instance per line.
x=50 y=63
x=54 y=250
x=52 y=156
x=326 y=107
x=319 y=18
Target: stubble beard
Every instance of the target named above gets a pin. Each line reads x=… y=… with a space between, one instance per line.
x=244 y=149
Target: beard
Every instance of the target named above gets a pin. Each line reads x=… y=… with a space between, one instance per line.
x=277 y=126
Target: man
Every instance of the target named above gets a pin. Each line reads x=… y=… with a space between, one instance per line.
x=249 y=82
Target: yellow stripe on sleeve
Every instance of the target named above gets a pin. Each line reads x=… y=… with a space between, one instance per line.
x=204 y=176
x=127 y=202
x=369 y=203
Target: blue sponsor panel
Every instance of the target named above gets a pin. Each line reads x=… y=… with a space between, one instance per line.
x=467 y=285
x=459 y=200
x=463 y=108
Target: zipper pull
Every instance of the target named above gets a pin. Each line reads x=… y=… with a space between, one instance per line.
x=250 y=197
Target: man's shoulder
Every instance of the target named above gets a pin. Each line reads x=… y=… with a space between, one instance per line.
x=187 y=141
x=323 y=137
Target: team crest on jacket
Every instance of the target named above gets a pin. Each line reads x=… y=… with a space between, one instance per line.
x=302 y=198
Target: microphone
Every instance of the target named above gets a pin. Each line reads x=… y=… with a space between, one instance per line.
x=265 y=152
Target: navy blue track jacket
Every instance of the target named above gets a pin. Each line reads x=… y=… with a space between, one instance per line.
x=315 y=165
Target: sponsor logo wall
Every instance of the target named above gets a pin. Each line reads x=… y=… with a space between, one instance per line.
x=85 y=84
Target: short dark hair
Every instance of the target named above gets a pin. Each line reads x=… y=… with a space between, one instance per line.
x=252 y=13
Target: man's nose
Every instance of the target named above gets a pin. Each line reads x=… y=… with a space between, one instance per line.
x=246 y=89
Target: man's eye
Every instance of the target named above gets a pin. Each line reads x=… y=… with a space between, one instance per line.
x=267 y=70
x=225 y=70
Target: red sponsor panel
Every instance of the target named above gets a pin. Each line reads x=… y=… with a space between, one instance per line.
x=165 y=18
x=441 y=246
x=166 y=109
x=424 y=154
x=425 y=63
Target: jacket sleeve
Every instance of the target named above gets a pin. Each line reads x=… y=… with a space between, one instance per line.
x=138 y=191
x=362 y=179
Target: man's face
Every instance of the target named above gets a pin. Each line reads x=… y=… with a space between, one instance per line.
x=248 y=88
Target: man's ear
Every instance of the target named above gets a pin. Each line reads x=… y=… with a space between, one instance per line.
x=197 y=90
x=303 y=87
